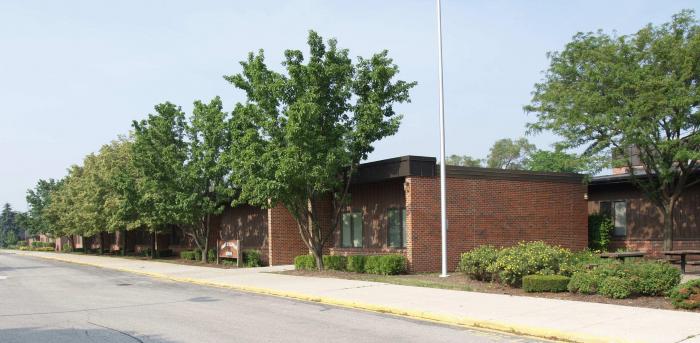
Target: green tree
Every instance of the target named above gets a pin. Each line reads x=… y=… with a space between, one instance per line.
x=38 y=201
x=184 y=179
x=509 y=154
x=611 y=93
x=64 y=209
x=300 y=136
x=464 y=161
x=556 y=161
x=9 y=228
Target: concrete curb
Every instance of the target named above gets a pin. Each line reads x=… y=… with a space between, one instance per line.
x=466 y=322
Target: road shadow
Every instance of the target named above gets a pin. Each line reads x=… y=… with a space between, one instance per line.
x=75 y=335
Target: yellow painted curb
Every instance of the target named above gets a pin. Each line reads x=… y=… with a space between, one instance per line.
x=466 y=322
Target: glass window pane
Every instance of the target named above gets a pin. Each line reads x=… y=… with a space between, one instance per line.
x=357 y=229
x=403 y=228
x=620 y=218
x=394 y=233
x=345 y=231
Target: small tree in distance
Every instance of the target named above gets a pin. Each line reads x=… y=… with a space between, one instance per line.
x=300 y=136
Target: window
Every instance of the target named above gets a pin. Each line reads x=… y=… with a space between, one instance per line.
x=351 y=232
x=397 y=225
x=620 y=218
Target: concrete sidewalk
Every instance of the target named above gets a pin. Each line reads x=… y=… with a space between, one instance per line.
x=539 y=317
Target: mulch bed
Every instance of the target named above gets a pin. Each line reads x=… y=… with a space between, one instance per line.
x=461 y=282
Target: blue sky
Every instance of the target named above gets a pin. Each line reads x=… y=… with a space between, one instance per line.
x=74 y=74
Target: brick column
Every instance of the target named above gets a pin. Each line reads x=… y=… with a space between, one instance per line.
x=283 y=234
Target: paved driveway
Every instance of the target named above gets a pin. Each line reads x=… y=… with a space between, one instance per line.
x=50 y=301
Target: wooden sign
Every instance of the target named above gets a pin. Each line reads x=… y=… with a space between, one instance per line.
x=229 y=249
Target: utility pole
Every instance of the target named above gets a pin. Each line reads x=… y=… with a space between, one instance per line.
x=443 y=199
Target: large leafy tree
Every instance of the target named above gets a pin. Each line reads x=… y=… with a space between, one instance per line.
x=636 y=93
x=9 y=227
x=464 y=161
x=300 y=135
x=556 y=161
x=183 y=180
x=38 y=199
x=509 y=154
x=65 y=208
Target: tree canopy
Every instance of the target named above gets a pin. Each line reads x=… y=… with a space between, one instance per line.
x=611 y=95
x=301 y=134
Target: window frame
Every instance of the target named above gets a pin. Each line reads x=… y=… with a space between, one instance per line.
x=402 y=222
x=613 y=211
x=352 y=229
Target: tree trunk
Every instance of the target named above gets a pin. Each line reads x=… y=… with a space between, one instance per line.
x=668 y=227
x=318 y=255
x=154 y=244
x=123 y=244
x=71 y=241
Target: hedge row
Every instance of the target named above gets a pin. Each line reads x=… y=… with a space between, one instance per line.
x=251 y=257
x=539 y=267
x=373 y=264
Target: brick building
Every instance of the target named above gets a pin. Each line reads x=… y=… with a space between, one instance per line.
x=638 y=222
x=394 y=207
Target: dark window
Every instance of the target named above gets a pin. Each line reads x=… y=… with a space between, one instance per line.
x=397 y=227
x=351 y=231
x=620 y=218
x=605 y=208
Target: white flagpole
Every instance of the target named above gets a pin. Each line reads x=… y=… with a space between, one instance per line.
x=443 y=200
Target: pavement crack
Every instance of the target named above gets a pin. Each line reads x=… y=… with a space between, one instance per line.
x=365 y=286
x=687 y=338
x=119 y=331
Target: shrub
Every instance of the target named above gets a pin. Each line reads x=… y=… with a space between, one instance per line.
x=42 y=245
x=187 y=255
x=655 y=278
x=584 y=282
x=392 y=264
x=197 y=254
x=21 y=243
x=211 y=255
x=44 y=249
x=165 y=253
x=80 y=250
x=686 y=295
x=333 y=262
x=616 y=287
x=545 y=283
x=373 y=264
x=251 y=258
x=356 y=263
x=532 y=258
x=600 y=229
x=476 y=262
x=305 y=262
x=639 y=278
x=66 y=248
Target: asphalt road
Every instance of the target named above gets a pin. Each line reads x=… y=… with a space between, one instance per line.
x=49 y=301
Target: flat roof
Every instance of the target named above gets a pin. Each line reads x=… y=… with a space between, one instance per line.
x=411 y=165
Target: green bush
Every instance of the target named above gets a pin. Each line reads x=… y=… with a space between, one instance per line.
x=584 y=282
x=66 y=248
x=305 y=262
x=251 y=258
x=211 y=255
x=532 y=258
x=600 y=230
x=42 y=245
x=392 y=264
x=80 y=250
x=187 y=255
x=356 y=263
x=649 y=278
x=476 y=262
x=334 y=262
x=655 y=278
x=197 y=254
x=616 y=287
x=44 y=249
x=545 y=283
x=165 y=253
x=21 y=243
x=373 y=264
x=686 y=295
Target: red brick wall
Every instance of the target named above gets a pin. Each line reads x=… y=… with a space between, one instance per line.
x=373 y=200
x=645 y=220
x=247 y=224
x=491 y=211
x=284 y=239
